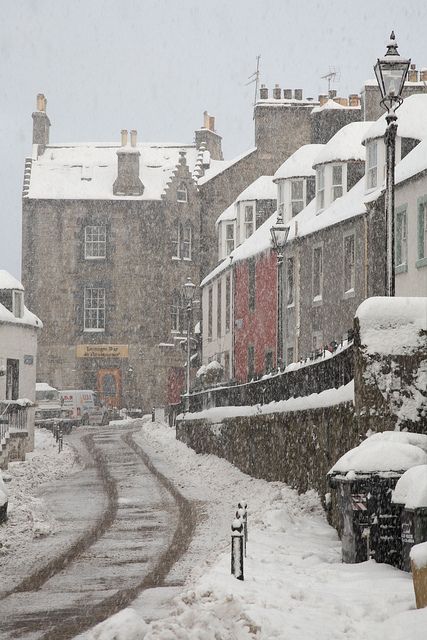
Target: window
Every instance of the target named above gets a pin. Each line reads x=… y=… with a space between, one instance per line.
x=18 y=304
x=289 y=355
x=249 y=220
x=268 y=361
x=337 y=187
x=290 y=281
x=297 y=196
x=182 y=193
x=281 y=198
x=95 y=242
x=176 y=239
x=349 y=272
x=317 y=274
x=227 y=303
x=251 y=362
x=229 y=238
x=210 y=314
x=401 y=246
x=422 y=233
x=372 y=161
x=251 y=284
x=219 y=309
x=320 y=188
x=317 y=338
x=94 y=309
x=177 y=312
x=186 y=242
x=12 y=379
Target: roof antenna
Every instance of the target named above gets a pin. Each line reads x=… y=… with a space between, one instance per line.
x=255 y=78
x=332 y=76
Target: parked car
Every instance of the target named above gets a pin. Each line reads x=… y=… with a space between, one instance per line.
x=49 y=410
x=85 y=406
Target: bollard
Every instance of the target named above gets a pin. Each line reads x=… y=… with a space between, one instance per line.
x=244 y=505
x=240 y=513
x=152 y=414
x=237 y=548
x=59 y=441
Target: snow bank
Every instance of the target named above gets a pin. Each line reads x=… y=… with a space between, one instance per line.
x=392 y=326
x=124 y=625
x=314 y=401
x=418 y=555
x=411 y=488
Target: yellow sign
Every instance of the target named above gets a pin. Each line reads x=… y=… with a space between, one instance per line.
x=102 y=351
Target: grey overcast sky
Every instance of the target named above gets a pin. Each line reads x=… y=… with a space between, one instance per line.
x=156 y=65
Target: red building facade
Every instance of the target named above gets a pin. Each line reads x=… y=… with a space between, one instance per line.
x=255 y=315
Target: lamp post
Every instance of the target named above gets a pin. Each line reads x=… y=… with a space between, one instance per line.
x=279 y=235
x=189 y=289
x=391 y=72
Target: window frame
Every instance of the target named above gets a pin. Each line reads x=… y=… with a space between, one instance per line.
x=182 y=189
x=371 y=164
x=401 y=239
x=186 y=242
x=249 y=224
x=317 y=297
x=349 y=267
x=95 y=241
x=300 y=182
x=290 y=280
x=227 y=303
x=229 y=226
x=98 y=309
x=337 y=185
x=421 y=232
x=320 y=188
x=18 y=303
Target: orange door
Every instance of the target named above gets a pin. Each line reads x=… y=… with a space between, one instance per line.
x=109 y=382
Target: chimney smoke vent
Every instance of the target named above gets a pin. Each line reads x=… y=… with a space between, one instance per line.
x=277 y=92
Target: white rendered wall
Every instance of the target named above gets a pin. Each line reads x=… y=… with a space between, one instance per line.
x=219 y=344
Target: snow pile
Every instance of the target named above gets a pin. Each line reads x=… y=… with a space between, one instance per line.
x=411 y=488
x=125 y=625
x=393 y=326
x=28 y=516
x=403 y=437
x=345 y=145
x=379 y=457
x=325 y=398
x=295 y=584
x=300 y=163
x=418 y=555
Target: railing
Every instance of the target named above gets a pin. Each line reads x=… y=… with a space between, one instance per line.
x=13 y=417
x=303 y=380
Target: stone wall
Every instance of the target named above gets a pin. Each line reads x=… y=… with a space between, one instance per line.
x=296 y=447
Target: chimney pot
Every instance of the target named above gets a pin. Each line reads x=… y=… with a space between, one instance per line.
x=423 y=75
x=413 y=74
x=263 y=92
x=287 y=94
x=205 y=120
x=124 y=134
x=323 y=98
x=277 y=92
x=354 y=100
x=133 y=135
x=332 y=94
x=211 y=123
x=298 y=94
x=41 y=102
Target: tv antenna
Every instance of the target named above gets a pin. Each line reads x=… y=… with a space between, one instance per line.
x=254 y=78
x=332 y=76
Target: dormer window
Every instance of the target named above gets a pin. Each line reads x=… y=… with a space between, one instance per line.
x=297 y=196
x=229 y=238
x=182 y=193
x=249 y=220
x=18 y=304
x=371 y=164
x=320 y=188
x=281 y=198
x=337 y=181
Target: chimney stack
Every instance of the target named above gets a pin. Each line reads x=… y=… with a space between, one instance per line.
x=353 y=100
x=128 y=182
x=323 y=98
x=208 y=137
x=133 y=136
x=423 y=75
x=287 y=94
x=413 y=74
x=298 y=94
x=41 y=124
x=263 y=92
x=277 y=92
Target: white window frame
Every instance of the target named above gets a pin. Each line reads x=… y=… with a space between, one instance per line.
x=229 y=241
x=94 y=309
x=320 y=187
x=401 y=239
x=182 y=193
x=317 y=296
x=18 y=304
x=95 y=242
x=297 y=200
x=372 y=164
x=281 y=198
x=187 y=242
x=176 y=241
x=421 y=260
x=177 y=312
x=249 y=224
x=337 y=188
x=347 y=265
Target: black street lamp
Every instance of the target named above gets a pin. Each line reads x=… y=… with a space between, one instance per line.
x=279 y=235
x=189 y=289
x=391 y=72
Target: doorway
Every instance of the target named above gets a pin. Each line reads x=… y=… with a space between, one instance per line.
x=109 y=387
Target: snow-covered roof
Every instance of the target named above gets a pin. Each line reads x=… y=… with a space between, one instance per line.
x=7 y=281
x=228 y=214
x=411 y=120
x=218 y=166
x=44 y=386
x=413 y=163
x=379 y=456
x=331 y=104
x=300 y=163
x=411 y=488
x=88 y=170
x=280 y=102
x=263 y=188
x=345 y=145
x=392 y=325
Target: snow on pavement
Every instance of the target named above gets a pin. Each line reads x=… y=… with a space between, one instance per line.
x=295 y=586
x=28 y=516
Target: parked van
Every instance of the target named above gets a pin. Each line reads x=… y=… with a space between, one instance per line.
x=84 y=405
x=49 y=409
